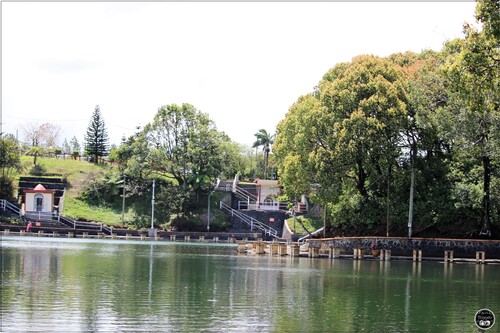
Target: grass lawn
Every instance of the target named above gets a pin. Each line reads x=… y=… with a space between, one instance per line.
x=79 y=210
x=76 y=173
x=311 y=224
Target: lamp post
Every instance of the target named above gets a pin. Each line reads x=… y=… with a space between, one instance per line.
x=123 y=200
x=152 y=231
x=209 y=195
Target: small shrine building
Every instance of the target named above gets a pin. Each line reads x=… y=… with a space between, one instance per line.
x=39 y=200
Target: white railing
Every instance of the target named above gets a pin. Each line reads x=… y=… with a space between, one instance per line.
x=85 y=225
x=314 y=233
x=253 y=223
x=43 y=216
x=253 y=205
x=4 y=204
x=245 y=194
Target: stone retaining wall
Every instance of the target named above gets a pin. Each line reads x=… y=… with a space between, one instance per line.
x=431 y=247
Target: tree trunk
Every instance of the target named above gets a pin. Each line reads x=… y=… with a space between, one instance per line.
x=266 y=154
x=361 y=179
x=485 y=216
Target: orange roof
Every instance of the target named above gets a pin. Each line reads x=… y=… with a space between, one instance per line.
x=40 y=187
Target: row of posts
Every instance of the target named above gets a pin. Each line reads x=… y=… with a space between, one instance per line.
x=278 y=248
x=333 y=253
x=187 y=238
x=259 y=247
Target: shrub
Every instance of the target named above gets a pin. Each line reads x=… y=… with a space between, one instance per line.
x=38 y=170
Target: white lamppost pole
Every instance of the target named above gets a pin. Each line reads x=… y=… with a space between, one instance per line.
x=153 y=206
x=209 y=195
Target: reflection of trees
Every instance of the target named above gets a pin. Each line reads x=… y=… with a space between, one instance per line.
x=204 y=287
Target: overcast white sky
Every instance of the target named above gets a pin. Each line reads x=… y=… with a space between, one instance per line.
x=242 y=63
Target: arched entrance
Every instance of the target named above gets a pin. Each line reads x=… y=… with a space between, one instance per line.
x=38 y=202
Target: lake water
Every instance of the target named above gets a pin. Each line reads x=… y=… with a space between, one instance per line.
x=74 y=285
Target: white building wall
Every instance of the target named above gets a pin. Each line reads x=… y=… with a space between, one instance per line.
x=30 y=202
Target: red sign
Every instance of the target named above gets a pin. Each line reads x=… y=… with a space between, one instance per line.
x=271 y=219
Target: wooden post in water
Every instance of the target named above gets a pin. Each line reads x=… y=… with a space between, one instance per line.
x=385 y=255
x=259 y=247
x=242 y=247
x=334 y=253
x=293 y=250
x=273 y=248
x=313 y=252
x=282 y=249
x=358 y=254
x=480 y=257
x=417 y=255
x=448 y=256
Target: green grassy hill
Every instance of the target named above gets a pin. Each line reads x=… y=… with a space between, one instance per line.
x=76 y=173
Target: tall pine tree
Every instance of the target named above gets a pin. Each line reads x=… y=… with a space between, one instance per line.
x=96 y=138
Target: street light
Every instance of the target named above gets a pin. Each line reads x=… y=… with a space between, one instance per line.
x=152 y=231
x=210 y=194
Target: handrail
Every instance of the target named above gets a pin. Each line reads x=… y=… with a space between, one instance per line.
x=250 y=220
x=4 y=204
x=275 y=205
x=7 y=205
x=244 y=193
x=314 y=233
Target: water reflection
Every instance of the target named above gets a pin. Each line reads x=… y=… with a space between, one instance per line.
x=61 y=285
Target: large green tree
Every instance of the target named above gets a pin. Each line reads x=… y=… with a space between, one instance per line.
x=474 y=73
x=186 y=147
x=345 y=136
x=96 y=137
x=10 y=163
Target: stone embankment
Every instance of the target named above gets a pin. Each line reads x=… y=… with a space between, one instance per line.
x=130 y=234
x=410 y=247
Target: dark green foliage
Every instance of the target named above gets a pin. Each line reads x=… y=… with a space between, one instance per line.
x=7 y=188
x=10 y=163
x=96 y=138
x=348 y=139
x=75 y=154
x=38 y=170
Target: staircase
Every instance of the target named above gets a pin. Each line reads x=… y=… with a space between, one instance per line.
x=54 y=220
x=251 y=222
x=5 y=205
x=85 y=225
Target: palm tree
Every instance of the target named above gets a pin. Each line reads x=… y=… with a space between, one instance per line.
x=265 y=140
